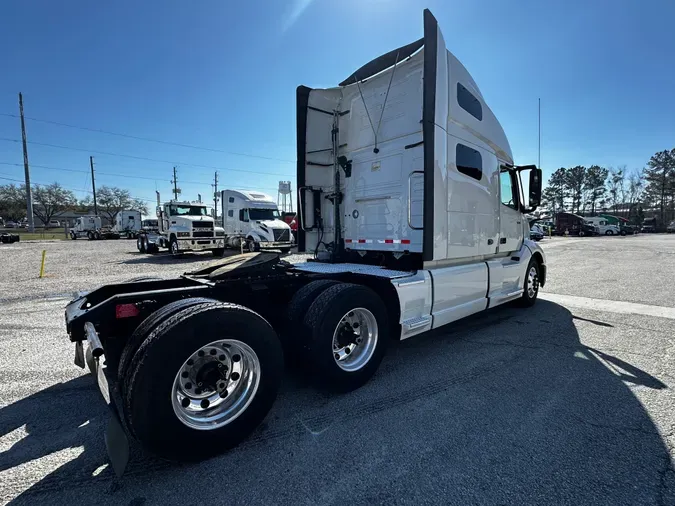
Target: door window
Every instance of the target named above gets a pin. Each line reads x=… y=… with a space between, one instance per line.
x=507 y=189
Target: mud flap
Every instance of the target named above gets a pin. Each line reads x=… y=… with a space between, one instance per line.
x=117 y=445
x=79 y=354
x=116 y=440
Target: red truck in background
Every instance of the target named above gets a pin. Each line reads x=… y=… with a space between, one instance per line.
x=292 y=220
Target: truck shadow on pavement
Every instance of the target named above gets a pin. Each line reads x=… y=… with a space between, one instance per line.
x=505 y=407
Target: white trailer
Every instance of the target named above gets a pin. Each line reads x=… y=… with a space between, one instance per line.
x=253 y=219
x=128 y=224
x=415 y=219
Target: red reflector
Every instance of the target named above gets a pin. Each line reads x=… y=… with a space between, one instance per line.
x=126 y=310
x=362 y=241
x=348 y=240
x=405 y=241
x=388 y=241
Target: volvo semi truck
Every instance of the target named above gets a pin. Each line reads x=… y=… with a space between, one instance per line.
x=412 y=209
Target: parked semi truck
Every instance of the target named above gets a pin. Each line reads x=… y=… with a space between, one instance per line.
x=182 y=227
x=128 y=224
x=603 y=225
x=412 y=225
x=90 y=227
x=252 y=218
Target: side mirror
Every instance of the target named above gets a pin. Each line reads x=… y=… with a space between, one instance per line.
x=159 y=212
x=535 y=189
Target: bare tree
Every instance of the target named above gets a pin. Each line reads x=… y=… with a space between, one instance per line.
x=635 y=191
x=49 y=200
x=13 y=202
x=111 y=200
x=615 y=187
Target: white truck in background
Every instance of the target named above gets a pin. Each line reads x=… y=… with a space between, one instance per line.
x=603 y=226
x=85 y=226
x=252 y=219
x=91 y=228
x=415 y=219
x=128 y=224
x=182 y=226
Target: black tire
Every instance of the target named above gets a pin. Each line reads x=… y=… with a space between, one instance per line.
x=148 y=325
x=295 y=336
x=140 y=244
x=623 y=232
x=97 y=235
x=152 y=248
x=218 y=252
x=581 y=233
x=252 y=245
x=173 y=247
x=72 y=235
x=147 y=401
x=527 y=300
x=322 y=319
x=285 y=251
x=609 y=232
x=90 y=235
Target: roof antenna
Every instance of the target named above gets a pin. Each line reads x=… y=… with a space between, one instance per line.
x=375 y=132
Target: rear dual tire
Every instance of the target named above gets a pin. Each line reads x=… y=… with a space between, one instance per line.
x=152 y=400
x=342 y=331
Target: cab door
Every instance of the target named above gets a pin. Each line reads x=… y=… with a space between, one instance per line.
x=510 y=217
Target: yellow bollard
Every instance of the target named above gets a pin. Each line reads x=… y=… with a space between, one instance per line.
x=42 y=265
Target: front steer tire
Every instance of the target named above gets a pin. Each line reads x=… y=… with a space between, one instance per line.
x=322 y=320
x=148 y=398
x=529 y=297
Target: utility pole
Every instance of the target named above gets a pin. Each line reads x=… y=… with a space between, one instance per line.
x=29 y=193
x=539 y=155
x=175 y=185
x=215 y=195
x=93 y=183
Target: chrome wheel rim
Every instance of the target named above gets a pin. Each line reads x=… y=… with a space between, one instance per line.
x=174 y=248
x=216 y=384
x=355 y=339
x=532 y=282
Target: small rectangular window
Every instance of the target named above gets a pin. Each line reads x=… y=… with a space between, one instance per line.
x=507 y=189
x=469 y=103
x=230 y=213
x=231 y=200
x=469 y=162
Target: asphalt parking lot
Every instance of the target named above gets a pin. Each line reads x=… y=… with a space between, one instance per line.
x=569 y=402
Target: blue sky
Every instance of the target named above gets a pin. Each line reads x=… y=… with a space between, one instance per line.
x=222 y=75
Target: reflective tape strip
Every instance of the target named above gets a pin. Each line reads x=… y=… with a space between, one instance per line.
x=379 y=241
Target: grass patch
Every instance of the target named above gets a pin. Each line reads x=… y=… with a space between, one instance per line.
x=39 y=234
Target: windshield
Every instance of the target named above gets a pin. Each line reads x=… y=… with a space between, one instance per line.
x=263 y=214
x=187 y=211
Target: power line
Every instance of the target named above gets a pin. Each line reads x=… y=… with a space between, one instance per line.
x=64 y=187
x=159 y=178
x=148 y=139
x=121 y=155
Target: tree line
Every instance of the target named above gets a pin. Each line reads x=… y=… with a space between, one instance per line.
x=50 y=200
x=629 y=193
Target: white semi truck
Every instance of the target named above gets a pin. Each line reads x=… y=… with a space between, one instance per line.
x=182 y=227
x=414 y=221
x=90 y=227
x=128 y=224
x=252 y=219
x=85 y=226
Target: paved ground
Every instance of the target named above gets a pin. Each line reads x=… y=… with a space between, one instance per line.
x=570 y=402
